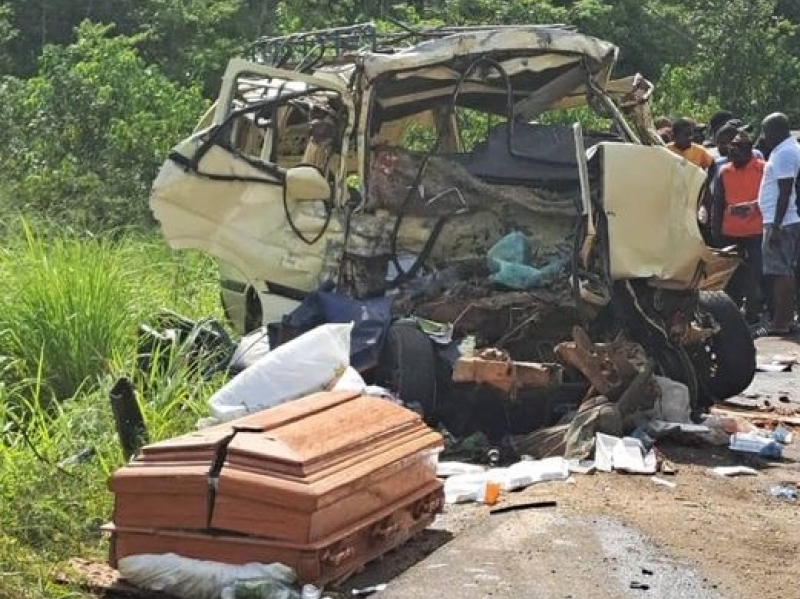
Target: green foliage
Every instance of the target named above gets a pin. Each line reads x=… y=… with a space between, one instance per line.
x=7 y=35
x=198 y=36
x=71 y=304
x=743 y=60
x=88 y=132
x=49 y=511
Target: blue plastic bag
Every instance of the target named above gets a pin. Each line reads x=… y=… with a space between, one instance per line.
x=508 y=262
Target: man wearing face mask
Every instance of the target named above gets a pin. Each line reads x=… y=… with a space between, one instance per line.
x=736 y=198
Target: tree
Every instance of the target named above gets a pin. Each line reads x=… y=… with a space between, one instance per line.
x=7 y=35
x=743 y=60
x=87 y=133
x=189 y=39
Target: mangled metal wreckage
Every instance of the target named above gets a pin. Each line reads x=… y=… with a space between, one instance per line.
x=394 y=171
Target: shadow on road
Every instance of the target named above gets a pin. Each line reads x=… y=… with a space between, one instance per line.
x=401 y=559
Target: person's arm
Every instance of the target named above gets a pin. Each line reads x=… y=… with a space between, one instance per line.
x=717 y=208
x=707 y=160
x=785 y=187
x=785 y=170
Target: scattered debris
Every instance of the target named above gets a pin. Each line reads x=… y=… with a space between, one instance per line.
x=663 y=482
x=309 y=591
x=755 y=443
x=674 y=402
x=734 y=471
x=626 y=454
x=774 y=367
x=477 y=487
x=445 y=469
x=128 y=418
x=777 y=364
x=582 y=466
x=782 y=435
x=83 y=456
x=523 y=506
x=665 y=466
x=495 y=367
x=784 y=492
x=367 y=591
x=762 y=416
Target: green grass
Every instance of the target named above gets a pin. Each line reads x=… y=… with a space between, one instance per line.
x=69 y=312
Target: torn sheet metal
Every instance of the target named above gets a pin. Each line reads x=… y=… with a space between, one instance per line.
x=651 y=197
x=539 y=40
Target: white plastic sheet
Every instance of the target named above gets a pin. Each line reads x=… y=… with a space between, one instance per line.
x=198 y=579
x=302 y=366
x=626 y=454
x=251 y=348
x=467 y=487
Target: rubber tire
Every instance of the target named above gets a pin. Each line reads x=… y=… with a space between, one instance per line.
x=407 y=366
x=735 y=352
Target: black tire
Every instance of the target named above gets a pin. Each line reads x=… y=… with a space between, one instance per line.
x=407 y=366
x=726 y=362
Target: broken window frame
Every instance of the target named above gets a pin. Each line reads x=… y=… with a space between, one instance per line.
x=225 y=111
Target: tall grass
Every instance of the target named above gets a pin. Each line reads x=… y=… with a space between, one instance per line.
x=68 y=315
x=70 y=304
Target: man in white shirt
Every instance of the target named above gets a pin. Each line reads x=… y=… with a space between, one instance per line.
x=777 y=201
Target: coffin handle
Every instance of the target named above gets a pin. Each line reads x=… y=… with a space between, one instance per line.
x=385 y=529
x=337 y=558
x=427 y=506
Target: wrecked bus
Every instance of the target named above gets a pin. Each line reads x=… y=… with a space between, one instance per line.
x=392 y=165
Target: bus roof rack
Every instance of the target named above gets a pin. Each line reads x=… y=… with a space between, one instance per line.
x=304 y=50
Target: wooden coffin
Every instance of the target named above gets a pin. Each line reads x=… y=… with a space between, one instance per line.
x=301 y=479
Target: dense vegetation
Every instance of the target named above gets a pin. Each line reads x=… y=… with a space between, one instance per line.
x=93 y=94
x=96 y=90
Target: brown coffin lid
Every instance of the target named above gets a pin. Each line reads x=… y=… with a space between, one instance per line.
x=168 y=478
x=203 y=443
x=337 y=482
x=302 y=437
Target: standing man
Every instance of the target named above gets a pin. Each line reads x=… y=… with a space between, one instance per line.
x=683 y=133
x=736 y=200
x=777 y=201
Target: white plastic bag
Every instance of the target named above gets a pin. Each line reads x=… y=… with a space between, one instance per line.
x=251 y=348
x=529 y=472
x=198 y=579
x=469 y=486
x=301 y=366
x=350 y=380
x=446 y=469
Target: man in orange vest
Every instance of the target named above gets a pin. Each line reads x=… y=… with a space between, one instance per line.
x=737 y=202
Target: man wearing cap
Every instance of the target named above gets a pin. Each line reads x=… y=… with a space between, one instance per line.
x=736 y=199
x=777 y=201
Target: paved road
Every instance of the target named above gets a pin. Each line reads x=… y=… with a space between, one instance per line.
x=548 y=555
